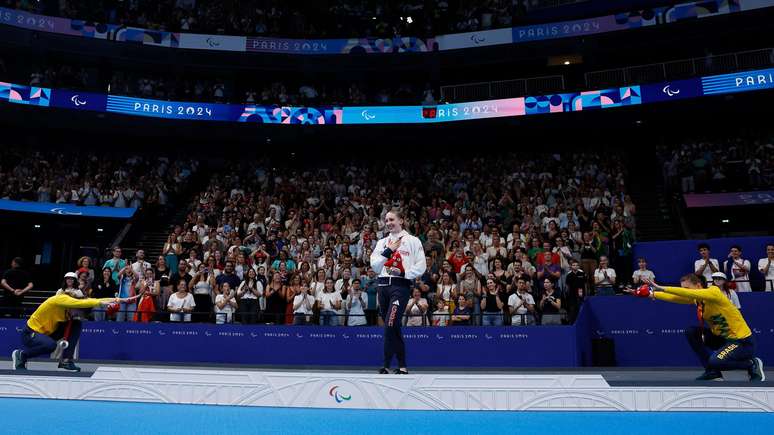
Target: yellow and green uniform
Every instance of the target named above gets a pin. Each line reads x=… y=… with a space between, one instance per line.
x=52 y=312
x=713 y=307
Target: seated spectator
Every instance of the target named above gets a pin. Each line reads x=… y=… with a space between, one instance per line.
x=491 y=305
x=462 y=313
x=416 y=310
x=604 y=278
x=522 y=304
x=550 y=305
x=225 y=304
x=181 y=304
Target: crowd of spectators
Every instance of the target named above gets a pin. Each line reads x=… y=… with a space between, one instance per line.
x=321 y=19
x=526 y=238
x=114 y=179
x=719 y=165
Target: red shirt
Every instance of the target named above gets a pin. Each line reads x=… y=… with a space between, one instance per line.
x=458 y=262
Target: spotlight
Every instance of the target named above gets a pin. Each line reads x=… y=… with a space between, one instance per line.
x=566 y=62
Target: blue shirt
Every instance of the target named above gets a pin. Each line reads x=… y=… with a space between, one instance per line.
x=370 y=289
x=115 y=267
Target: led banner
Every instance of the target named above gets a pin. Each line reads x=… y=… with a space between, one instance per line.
x=66 y=209
x=738 y=82
x=609 y=23
x=698 y=200
x=327 y=115
x=21 y=94
x=173 y=109
x=66 y=99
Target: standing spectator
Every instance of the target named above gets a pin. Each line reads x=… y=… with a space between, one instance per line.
x=462 y=313
x=203 y=286
x=575 y=290
x=126 y=289
x=140 y=266
x=441 y=314
x=738 y=269
x=276 y=299
x=370 y=284
x=330 y=303
x=115 y=264
x=225 y=304
x=548 y=269
x=416 y=309
x=303 y=303
x=149 y=290
x=705 y=266
x=171 y=252
x=642 y=275
x=720 y=280
x=470 y=286
x=766 y=269
x=604 y=278
x=181 y=304
x=228 y=276
x=589 y=255
x=248 y=294
x=622 y=241
x=104 y=287
x=356 y=304
x=84 y=265
x=550 y=304
x=16 y=282
x=491 y=305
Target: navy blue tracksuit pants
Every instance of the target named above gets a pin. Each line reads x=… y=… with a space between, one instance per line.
x=393 y=297
x=725 y=355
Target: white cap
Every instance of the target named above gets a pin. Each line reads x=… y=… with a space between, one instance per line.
x=71 y=275
x=719 y=275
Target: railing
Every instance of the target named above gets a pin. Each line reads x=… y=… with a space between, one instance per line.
x=501 y=89
x=681 y=69
x=655 y=72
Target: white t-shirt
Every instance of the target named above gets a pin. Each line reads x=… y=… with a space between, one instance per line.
x=518 y=303
x=698 y=264
x=225 y=314
x=299 y=298
x=245 y=292
x=414 y=314
x=638 y=275
x=317 y=289
x=738 y=275
x=176 y=302
x=328 y=300
x=357 y=311
x=139 y=268
x=769 y=276
x=601 y=281
x=340 y=284
x=440 y=317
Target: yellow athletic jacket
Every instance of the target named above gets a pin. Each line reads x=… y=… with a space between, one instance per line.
x=723 y=318
x=53 y=311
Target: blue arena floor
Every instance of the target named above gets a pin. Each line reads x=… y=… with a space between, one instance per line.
x=37 y=416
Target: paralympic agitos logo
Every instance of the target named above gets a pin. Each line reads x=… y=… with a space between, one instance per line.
x=337 y=396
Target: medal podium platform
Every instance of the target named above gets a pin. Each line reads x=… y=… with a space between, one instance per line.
x=587 y=390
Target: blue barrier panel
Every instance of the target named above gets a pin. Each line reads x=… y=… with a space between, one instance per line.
x=651 y=333
x=549 y=346
x=66 y=209
x=671 y=259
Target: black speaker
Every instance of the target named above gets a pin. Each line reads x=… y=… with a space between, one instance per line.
x=603 y=352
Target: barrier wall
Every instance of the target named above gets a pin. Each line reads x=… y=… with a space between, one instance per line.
x=313 y=345
x=671 y=259
x=645 y=334
x=651 y=333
